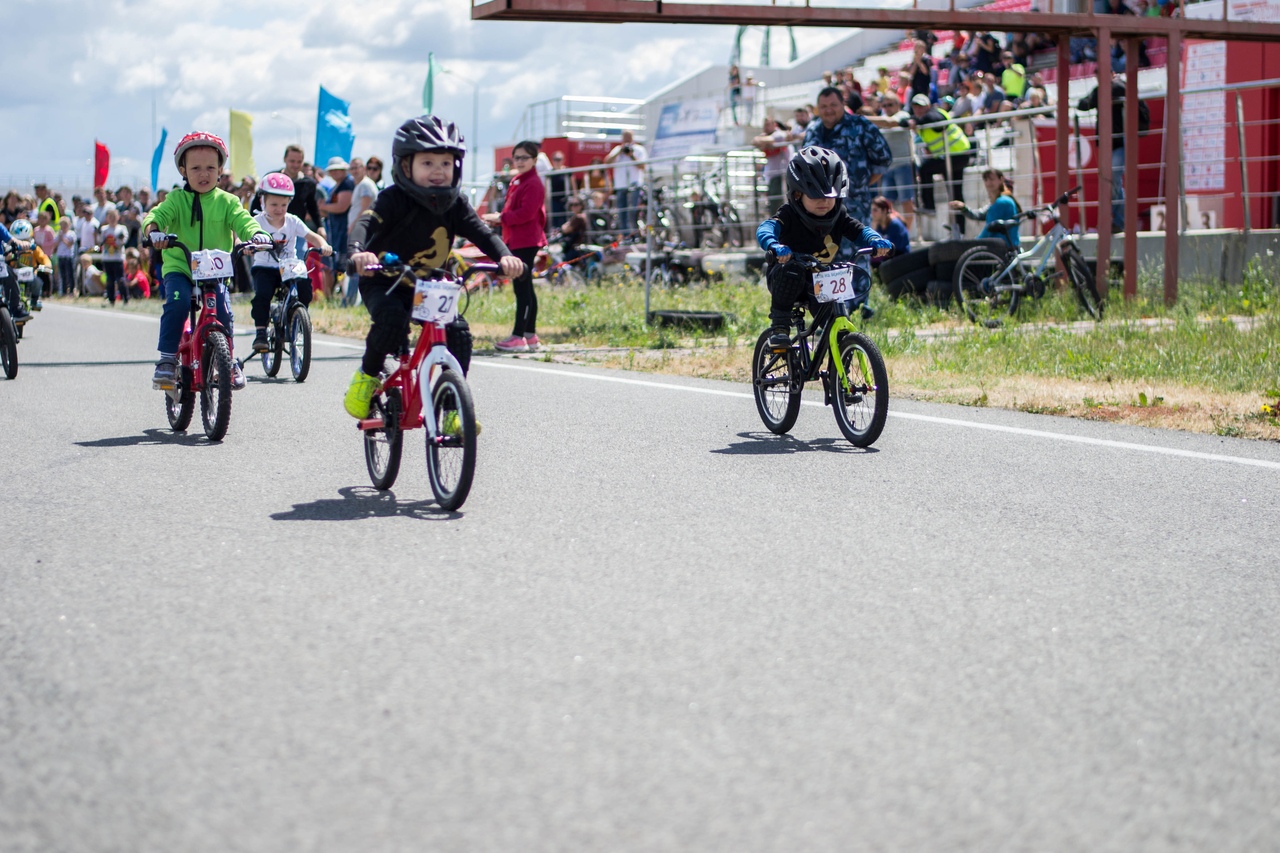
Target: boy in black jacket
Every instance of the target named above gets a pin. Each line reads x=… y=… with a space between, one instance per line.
x=416 y=219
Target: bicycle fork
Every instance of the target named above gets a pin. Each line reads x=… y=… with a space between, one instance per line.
x=839 y=325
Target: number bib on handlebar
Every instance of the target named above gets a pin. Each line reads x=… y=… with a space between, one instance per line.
x=291 y=268
x=210 y=264
x=435 y=301
x=25 y=274
x=834 y=285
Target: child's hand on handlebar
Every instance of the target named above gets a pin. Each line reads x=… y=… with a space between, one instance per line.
x=326 y=250
x=782 y=253
x=159 y=239
x=359 y=260
x=511 y=266
x=882 y=247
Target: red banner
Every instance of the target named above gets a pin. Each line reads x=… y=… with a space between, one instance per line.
x=101 y=164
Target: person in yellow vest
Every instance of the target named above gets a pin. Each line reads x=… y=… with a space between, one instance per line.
x=46 y=204
x=938 y=141
x=1013 y=79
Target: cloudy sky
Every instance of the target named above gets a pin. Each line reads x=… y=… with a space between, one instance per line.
x=92 y=71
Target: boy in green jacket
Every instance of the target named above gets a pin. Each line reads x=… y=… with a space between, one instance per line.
x=203 y=217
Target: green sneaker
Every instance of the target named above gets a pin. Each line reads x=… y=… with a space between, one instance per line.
x=451 y=425
x=359 y=393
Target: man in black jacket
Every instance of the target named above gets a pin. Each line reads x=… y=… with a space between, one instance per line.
x=1090 y=102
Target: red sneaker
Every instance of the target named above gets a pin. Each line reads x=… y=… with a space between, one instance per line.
x=512 y=344
x=532 y=342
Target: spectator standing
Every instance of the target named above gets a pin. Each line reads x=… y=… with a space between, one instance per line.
x=735 y=91
x=1013 y=79
x=939 y=142
x=12 y=209
x=111 y=237
x=373 y=168
x=987 y=55
x=899 y=183
x=45 y=203
x=1090 y=102
x=627 y=175
x=598 y=179
x=777 y=154
x=103 y=204
x=65 y=257
x=335 y=209
x=524 y=230
x=561 y=186
x=803 y=116
x=921 y=69
x=46 y=238
x=363 y=195
x=992 y=95
x=144 y=199
x=859 y=144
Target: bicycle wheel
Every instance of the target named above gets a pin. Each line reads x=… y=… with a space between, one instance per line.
x=180 y=405
x=733 y=230
x=8 y=344
x=300 y=343
x=861 y=410
x=975 y=295
x=215 y=396
x=382 y=445
x=777 y=401
x=275 y=348
x=1082 y=282
x=451 y=458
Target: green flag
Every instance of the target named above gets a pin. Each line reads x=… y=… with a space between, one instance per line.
x=427 y=88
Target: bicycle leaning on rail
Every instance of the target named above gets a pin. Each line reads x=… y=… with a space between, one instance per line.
x=428 y=375
x=855 y=383
x=988 y=285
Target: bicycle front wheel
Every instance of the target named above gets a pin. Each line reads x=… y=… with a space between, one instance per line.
x=382 y=445
x=451 y=455
x=776 y=390
x=8 y=344
x=975 y=290
x=862 y=407
x=215 y=396
x=300 y=343
x=1083 y=282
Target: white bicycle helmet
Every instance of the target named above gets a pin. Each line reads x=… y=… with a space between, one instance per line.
x=21 y=230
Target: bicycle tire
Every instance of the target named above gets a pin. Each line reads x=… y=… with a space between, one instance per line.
x=8 y=344
x=859 y=422
x=1082 y=282
x=733 y=230
x=973 y=270
x=778 y=409
x=215 y=395
x=181 y=406
x=300 y=336
x=275 y=348
x=451 y=473
x=382 y=447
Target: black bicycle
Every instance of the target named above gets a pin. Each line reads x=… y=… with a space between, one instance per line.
x=854 y=382
x=290 y=327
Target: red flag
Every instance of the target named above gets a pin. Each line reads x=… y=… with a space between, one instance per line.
x=101 y=164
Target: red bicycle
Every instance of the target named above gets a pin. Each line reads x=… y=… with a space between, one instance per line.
x=429 y=372
x=204 y=354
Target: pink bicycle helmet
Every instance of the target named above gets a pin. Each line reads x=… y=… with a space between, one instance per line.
x=200 y=139
x=277 y=183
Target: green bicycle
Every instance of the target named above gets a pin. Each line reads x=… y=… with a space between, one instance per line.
x=855 y=383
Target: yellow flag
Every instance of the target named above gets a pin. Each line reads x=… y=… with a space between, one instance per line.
x=241 y=142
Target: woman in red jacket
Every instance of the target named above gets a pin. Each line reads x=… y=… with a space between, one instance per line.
x=524 y=230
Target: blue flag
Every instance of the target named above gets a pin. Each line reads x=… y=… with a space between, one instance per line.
x=156 y=158
x=334 y=136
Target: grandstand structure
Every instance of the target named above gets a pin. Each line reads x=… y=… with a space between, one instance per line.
x=1250 y=70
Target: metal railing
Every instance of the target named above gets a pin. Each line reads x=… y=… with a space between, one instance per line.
x=581 y=116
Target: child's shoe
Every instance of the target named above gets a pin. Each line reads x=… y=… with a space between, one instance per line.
x=515 y=343
x=260 y=341
x=237 y=376
x=359 y=394
x=166 y=376
x=779 y=337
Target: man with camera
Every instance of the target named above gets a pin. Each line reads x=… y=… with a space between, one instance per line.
x=627 y=174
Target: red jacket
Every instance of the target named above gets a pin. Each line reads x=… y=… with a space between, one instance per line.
x=524 y=215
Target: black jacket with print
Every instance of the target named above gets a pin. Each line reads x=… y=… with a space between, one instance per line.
x=398 y=224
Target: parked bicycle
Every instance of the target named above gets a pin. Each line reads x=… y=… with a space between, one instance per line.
x=855 y=382
x=289 y=329
x=988 y=285
x=430 y=374
x=716 y=223
x=204 y=353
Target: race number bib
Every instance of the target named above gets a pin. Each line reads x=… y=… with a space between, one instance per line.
x=25 y=274
x=834 y=285
x=291 y=268
x=435 y=301
x=210 y=264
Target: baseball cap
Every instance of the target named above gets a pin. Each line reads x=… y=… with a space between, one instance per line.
x=921 y=100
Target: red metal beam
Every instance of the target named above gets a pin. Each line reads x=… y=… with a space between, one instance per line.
x=1172 y=168
x=1131 y=169
x=746 y=14
x=1062 y=182
x=1105 y=176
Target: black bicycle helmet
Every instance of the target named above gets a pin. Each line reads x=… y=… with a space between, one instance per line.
x=427 y=133
x=818 y=173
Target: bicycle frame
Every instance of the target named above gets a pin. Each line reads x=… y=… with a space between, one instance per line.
x=1047 y=243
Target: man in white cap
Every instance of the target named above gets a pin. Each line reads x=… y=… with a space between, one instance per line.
x=941 y=144
x=335 y=217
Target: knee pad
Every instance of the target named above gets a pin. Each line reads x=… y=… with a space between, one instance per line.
x=458 y=339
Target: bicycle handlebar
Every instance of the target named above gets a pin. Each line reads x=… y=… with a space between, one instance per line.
x=391 y=265
x=811 y=262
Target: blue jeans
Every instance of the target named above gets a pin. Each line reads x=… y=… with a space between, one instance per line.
x=627 y=199
x=177 y=306
x=1117 y=187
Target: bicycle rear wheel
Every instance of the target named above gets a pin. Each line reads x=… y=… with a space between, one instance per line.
x=8 y=344
x=862 y=408
x=382 y=445
x=974 y=291
x=275 y=349
x=772 y=383
x=215 y=396
x=451 y=455
x=300 y=343
x=180 y=404
x=1082 y=282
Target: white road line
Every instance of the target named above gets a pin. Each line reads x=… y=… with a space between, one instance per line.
x=155 y=318
x=954 y=422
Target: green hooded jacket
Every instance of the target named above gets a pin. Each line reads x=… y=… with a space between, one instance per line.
x=220 y=220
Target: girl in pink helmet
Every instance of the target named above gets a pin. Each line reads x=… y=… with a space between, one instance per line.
x=285 y=230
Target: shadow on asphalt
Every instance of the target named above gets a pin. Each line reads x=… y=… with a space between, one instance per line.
x=364 y=502
x=150 y=437
x=768 y=444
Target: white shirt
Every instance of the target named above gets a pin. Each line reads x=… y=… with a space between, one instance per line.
x=66 y=244
x=292 y=229
x=775 y=164
x=365 y=189
x=625 y=174
x=87 y=234
x=100 y=211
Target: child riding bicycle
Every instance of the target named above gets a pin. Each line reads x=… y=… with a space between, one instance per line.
x=9 y=283
x=26 y=254
x=415 y=219
x=203 y=217
x=812 y=222
x=285 y=229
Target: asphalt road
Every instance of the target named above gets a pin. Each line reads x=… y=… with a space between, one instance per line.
x=653 y=626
